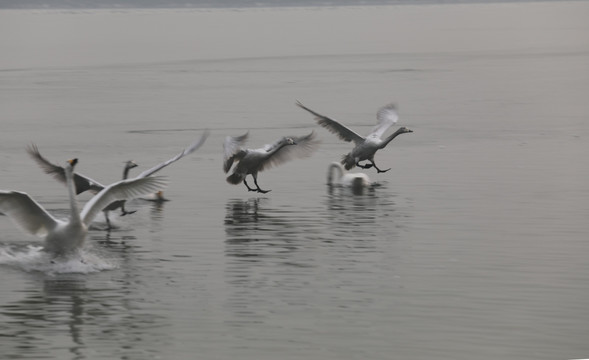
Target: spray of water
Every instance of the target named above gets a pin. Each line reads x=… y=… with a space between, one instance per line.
x=32 y=258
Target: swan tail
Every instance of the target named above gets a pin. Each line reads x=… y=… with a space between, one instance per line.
x=348 y=161
x=234 y=179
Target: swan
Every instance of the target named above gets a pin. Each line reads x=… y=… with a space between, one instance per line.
x=84 y=183
x=157 y=197
x=251 y=161
x=356 y=181
x=365 y=147
x=63 y=237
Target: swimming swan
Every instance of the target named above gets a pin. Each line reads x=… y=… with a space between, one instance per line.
x=63 y=237
x=365 y=147
x=252 y=161
x=83 y=183
x=356 y=181
x=157 y=197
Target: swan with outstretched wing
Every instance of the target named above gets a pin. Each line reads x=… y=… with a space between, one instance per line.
x=63 y=237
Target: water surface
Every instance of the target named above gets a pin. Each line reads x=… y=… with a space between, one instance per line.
x=473 y=246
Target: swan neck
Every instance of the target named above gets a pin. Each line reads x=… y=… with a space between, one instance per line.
x=126 y=172
x=75 y=213
x=391 y=137
x=278 y=146
x=334 y=167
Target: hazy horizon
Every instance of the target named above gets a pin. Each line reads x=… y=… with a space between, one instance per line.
x=108 y=4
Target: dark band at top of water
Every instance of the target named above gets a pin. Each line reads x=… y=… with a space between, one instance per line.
x=155 y=4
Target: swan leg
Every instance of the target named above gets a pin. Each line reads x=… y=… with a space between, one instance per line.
x=377 y=169
x=108 y=225
x=125 y=212
x=248 y=187
x=258 y=186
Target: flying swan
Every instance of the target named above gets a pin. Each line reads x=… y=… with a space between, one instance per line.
x=63 y=237
x=83 y=183
x=250 y=161
x=365 y=147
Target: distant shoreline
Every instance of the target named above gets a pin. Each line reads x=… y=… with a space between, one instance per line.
x=234 y=4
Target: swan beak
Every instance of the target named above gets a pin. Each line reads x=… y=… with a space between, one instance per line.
x=73 y=162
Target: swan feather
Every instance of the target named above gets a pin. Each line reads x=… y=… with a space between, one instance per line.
x=26 y=213
x=121 y=190
x=334 y=126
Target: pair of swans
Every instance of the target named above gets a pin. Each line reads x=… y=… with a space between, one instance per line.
x=64 y=237
x=82 y=183
x=365 y=147
x=252 y=161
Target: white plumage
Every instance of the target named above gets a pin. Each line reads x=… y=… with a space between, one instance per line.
x=251 y=161
x=365 y=147
x=63 y=237
x=83 y=183
x=355 y=181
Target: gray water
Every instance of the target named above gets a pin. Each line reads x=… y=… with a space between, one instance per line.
x=474 y=245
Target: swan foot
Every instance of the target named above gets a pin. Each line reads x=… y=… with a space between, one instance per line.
x=248 y=187
x=124 y=212
x=377 y=169
x=365 y=166
x=263 y=191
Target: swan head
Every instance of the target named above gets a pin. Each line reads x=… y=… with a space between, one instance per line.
x=130 y=164
x=404 y=130
x=72 y=162
x=290 y=141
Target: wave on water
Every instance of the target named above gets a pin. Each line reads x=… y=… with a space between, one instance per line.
x=32 y=258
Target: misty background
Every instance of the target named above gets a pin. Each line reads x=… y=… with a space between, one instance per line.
x=125 y=4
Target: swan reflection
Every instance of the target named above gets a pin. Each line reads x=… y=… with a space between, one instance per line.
x=71 y=312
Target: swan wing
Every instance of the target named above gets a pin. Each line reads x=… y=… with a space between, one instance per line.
x=193 y=147
x=236 y=157
x=304 y=147
x=121 y=190
x=334 y=126
x=386 y=117
x=232 y=146
x=26 y=212
x=82 y=183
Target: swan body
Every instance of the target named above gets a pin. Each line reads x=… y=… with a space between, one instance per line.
x=63 y=237
x=365 y=147
x=353 y=180
x=157 y=197
x=252 y=161
x=83 y=183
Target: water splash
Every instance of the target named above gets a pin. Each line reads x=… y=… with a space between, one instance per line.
x=32 y=258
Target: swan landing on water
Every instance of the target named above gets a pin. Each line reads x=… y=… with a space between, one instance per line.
x=356 y=181
x=65 y=237
x=83 y=183
x=367 y=146
x=251 y=161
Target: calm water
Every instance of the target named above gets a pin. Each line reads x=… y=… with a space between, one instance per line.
x=473 y=247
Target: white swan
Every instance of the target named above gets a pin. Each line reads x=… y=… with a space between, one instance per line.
x=251 y=161
x=157 y=197
x=356 y=181
x=84 y=183
x=367 y=146
x=63 y=237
